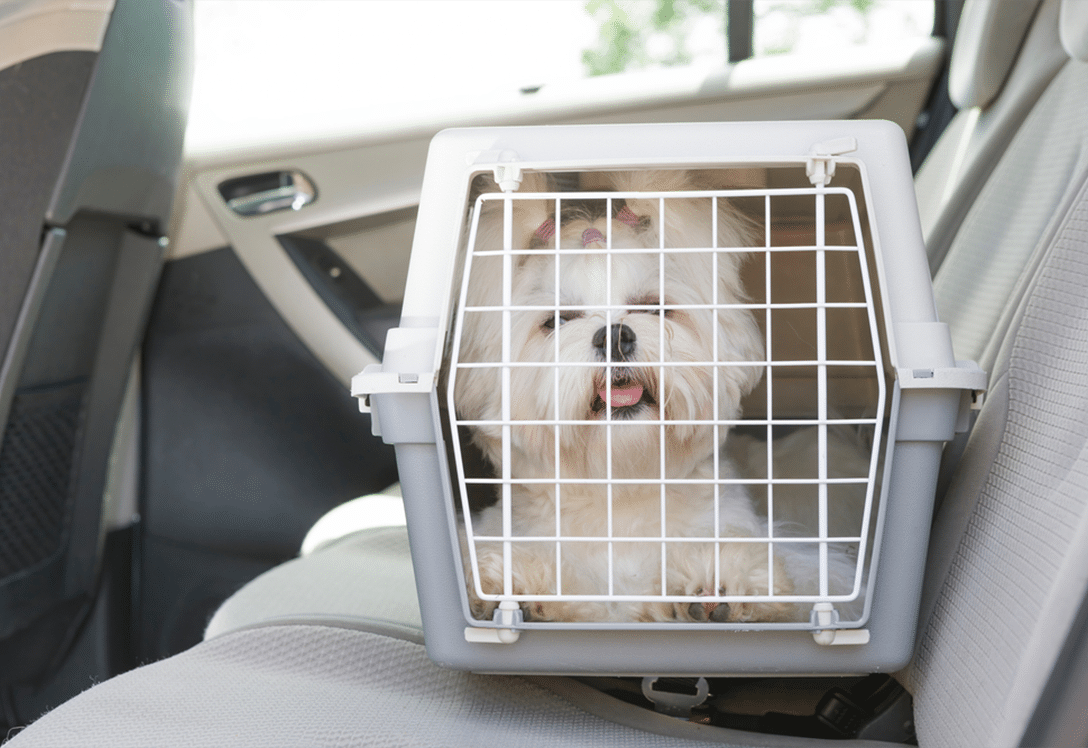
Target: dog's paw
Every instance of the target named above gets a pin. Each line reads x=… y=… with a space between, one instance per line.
x=490 y=583
x=583 y=612
x=481 y=610
x=709 y=611
x=736 y=612
x=758 y=612
x=746 y=576
x=540 y=611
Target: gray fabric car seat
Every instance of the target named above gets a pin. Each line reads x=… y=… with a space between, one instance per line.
x=1014 y=217
x=1004 y=584
x=311 y=588
x=316 y=686
x=90 y=149
x=1010 y=542
x=1005 y=55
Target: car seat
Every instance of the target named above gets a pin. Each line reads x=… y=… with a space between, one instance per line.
x=92 y=117
x=1004 y=588
x=1004 y=56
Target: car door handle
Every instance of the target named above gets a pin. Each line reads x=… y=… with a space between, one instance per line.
x=268 y=192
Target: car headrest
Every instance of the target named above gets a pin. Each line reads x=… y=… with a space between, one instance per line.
x=987 y=41
x=1073 y=27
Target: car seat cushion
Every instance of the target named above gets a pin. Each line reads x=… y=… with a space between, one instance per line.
x=330 y=686
x=1003 y=234
x=1016 y=578
x=364 y=578
x=1074 y=28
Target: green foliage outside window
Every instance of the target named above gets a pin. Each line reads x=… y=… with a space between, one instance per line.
x=637 y=34
x=625 y=28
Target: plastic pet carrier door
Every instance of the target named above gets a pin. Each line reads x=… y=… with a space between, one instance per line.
x=669 y=399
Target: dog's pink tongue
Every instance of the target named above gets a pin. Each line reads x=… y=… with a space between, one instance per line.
x=622 y=397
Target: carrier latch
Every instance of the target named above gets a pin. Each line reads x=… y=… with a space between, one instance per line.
x=965 y=376
x=401 y=388
x=374 y=381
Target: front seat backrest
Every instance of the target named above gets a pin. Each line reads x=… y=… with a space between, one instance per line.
x=1013 y=217
x=994 y=84
x=90 y=149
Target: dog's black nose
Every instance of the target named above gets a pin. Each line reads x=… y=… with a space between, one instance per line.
x=623 y=341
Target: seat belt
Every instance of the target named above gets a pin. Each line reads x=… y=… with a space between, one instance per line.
x=875 y=708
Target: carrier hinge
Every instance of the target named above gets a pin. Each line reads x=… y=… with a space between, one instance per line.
x=508 y=171
x=820 y=166
x=507 y=614
x=824 y=615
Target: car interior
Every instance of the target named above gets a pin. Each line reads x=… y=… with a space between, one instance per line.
x=201 y=539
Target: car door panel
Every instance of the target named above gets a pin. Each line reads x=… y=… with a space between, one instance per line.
x=379 y=172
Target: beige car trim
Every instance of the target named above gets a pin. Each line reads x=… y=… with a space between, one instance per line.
x=32 y=28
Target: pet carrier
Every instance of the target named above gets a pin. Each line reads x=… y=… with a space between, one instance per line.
x=669 y=399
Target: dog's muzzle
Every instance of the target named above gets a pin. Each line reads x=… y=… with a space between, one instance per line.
x=625 y=392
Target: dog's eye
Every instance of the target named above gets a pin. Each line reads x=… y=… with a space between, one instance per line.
x=550 y=321
x=652 y=302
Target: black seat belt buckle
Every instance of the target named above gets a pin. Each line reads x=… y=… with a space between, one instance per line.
x=841 y=714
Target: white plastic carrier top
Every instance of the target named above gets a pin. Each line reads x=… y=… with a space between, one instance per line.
x=669 y=399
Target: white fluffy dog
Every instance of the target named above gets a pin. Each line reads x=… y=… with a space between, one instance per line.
x=630 y=413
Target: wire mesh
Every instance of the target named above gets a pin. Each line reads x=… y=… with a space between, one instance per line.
x=792 y=443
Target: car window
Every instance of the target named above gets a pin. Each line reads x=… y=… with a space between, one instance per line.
x=661 y=33
x=827 y=26
x=272 y=70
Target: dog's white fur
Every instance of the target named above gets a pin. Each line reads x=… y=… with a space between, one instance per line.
x=673 y=393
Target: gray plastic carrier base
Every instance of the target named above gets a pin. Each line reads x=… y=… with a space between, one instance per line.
x=634 y=652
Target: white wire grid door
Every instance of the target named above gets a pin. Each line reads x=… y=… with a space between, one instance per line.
x=559 y=542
